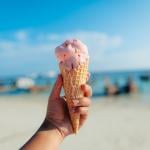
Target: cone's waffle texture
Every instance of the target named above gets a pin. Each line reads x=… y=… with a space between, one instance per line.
x=72 y=81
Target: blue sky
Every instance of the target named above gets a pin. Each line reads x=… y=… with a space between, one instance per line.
x=117 y=33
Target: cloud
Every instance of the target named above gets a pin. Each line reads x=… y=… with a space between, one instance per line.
x=21 y=35
x=125 y=60
x=34 y=51
x=6 y=45
x=97 y=42
x=24 y=41
x=102 y=40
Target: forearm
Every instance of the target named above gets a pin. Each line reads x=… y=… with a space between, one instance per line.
x=46 y=138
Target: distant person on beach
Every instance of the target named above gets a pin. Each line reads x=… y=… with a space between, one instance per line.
x=1 y=85
x=57 y=125
x=130 y=86
x=109 y=88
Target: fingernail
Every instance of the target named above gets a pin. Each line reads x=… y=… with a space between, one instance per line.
x=73 y=110
x=75 y=102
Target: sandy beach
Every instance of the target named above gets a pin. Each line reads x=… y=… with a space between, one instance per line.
x=118 y=123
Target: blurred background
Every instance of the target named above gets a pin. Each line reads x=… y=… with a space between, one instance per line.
x=117 y=33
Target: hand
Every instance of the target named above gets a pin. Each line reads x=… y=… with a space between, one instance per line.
x=57 y=124
x=57 y=111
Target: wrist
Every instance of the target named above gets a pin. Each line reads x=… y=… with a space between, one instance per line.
x=50 y=128
x=46 y=137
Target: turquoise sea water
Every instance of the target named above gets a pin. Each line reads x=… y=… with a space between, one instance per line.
x=120 y=78
x=96 y=81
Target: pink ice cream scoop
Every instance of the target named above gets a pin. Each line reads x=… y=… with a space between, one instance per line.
x=71 y=53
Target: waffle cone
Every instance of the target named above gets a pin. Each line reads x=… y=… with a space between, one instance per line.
x=72 y=81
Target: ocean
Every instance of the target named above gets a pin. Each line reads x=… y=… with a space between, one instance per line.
x=97 y=81
x=120 y=78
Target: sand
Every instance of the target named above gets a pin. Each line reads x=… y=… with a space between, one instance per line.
x=120 y=123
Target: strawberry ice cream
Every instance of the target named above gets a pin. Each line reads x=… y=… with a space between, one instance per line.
x=71 y=53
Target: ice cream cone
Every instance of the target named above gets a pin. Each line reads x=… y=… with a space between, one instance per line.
x=72 y=81
x=73 y=58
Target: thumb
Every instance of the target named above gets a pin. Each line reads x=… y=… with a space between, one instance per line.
x=57 y=88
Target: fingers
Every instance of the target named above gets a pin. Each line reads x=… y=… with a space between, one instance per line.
x=82 y=110
x=81 y=107
x=83 y=114
x=87 y=90
x=57 y=88
x=83 y=118
x=83 y=102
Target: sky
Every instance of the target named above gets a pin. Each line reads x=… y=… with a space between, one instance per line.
x=117 y=33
